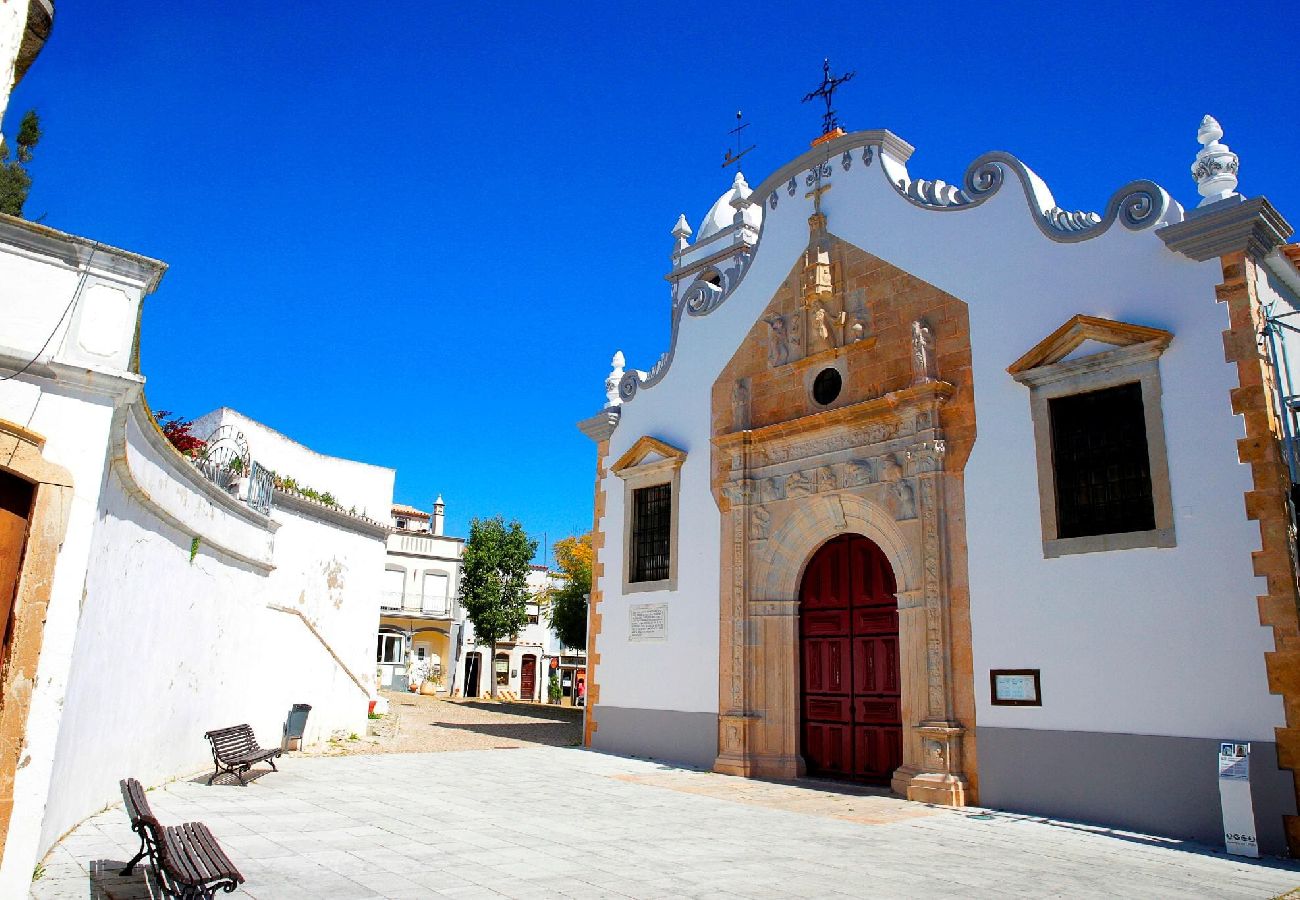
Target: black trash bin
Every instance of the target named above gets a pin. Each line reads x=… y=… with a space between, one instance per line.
x=295 y=726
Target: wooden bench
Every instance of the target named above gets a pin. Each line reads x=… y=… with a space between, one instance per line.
x=187 y=861
x=235 y=750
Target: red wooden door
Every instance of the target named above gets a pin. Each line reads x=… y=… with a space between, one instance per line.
x=849 y=679
x=528 y=678
x=15 y=508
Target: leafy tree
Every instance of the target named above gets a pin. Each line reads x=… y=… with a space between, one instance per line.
x=494 y=582
x=14 y=180
x=568 y=604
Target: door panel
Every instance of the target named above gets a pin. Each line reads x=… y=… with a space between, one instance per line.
x=850 y=671
x=528 y=678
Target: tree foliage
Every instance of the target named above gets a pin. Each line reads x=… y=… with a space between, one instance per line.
x=177 y=430
x=15 y=182
x=568 y=604
x=494 y=581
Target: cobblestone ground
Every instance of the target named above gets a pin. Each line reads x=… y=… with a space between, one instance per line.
x=547 y=821
x=419 y=724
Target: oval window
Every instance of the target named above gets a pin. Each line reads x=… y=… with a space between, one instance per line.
x=826 y=387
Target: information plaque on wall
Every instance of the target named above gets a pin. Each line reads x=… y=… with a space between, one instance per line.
x=1015 y=687
x=648 y=622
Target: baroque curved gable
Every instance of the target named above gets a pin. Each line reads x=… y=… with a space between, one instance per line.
x=1137 y=205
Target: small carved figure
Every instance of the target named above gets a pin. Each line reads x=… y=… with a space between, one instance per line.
x=923 y=362
x=890 y=470
x=740 y=404
x=855 y=473
x=826 y=480
x=904 y=501
x=772 y=489
x=800 y=484
x=778 y=352
x=759 y=524
x=855 y=332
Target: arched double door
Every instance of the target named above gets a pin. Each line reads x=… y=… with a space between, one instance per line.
x=850 y=683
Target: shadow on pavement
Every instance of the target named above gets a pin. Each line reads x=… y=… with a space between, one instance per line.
x=106 y=882
x=567 y=714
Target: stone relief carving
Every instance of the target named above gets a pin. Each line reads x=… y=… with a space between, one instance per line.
x=856 y=473
x=772 y=489
x=923 y=359
x=760 y=523
x=903 y=500
x=890 y=470
x=778 y=352
x=826 y=480
x=740 y=405
x=927 y=456
x=827 y=328
x=800 y=484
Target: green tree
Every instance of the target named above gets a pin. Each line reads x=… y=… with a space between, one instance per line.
x=14 y=180
x=567 y=612
x=494 y=582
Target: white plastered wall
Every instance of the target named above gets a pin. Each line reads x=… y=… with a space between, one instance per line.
x=1130 y=641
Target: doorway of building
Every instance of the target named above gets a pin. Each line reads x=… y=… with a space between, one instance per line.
x=528 y=678
x=15 y=510
x=849 y=674
x=472 y=666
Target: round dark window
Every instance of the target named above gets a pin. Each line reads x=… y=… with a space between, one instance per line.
x=826 y=387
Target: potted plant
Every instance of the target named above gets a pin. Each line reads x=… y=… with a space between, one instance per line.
x=431 y=685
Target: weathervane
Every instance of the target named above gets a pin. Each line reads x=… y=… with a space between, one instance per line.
x=729 y=158
x=825 y=91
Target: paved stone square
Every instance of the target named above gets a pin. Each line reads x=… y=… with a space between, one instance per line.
x=561 y=822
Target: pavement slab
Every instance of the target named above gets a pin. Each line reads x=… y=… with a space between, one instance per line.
x=555 y=821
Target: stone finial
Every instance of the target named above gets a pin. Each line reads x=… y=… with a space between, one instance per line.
x=1215 y=169
x=611 y=383
x=682 y=231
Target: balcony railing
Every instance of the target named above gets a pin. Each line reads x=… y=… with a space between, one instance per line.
x=414 y=603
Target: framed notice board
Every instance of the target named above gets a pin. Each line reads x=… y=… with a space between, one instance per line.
x=1015 y=687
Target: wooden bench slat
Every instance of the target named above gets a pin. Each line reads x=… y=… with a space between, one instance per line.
x=184 y=856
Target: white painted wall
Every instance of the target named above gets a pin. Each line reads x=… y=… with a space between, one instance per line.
x=1128 y=641
x=168 y=647
x=13 y=21
x=366 y=487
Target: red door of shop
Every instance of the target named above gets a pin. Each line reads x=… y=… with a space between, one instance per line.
x=850 y=687
x=528 y=678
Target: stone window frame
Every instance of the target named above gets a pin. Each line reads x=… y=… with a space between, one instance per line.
x=635 y=474
x=1134 y=357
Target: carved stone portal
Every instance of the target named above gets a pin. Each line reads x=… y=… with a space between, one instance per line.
x=874 y=468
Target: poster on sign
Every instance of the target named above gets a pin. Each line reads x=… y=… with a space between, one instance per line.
x=1234 y=796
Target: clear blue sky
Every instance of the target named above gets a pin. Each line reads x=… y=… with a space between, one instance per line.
x=413 y=233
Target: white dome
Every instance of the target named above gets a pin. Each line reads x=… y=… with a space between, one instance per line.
x=723 y=214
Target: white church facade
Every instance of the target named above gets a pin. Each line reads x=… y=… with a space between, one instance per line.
x=944 y=488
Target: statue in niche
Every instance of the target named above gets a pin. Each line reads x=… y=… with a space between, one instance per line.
x=826 y=480
x=890 y=470
x=799 y=484
x=827 y=327
x=740 y=404
x=923 y=361
x=856 y=307
x=759 y=524
x=778 y=351
x=904 y=500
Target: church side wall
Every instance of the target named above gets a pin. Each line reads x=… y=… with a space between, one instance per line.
x=172 y=643
x=1141 y=651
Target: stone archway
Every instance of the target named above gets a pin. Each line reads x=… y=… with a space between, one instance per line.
x=877 y=469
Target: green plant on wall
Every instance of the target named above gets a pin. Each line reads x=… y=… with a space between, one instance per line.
x=194 y=549
x=553 y=690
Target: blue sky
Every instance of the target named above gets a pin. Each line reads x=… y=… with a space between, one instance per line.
x=413 y=233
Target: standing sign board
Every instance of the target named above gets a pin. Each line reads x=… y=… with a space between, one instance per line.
x=1234 y=796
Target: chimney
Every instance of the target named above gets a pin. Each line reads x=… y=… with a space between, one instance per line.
x=439 y=512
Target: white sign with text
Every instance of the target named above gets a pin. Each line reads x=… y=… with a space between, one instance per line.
x=647 y=622
x=1234 y=796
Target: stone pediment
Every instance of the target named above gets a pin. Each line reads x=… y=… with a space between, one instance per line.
x=648 y=451
x=1083 y=333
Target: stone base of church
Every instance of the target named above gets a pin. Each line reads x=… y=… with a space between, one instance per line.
x=783 y=768
x=936 y=788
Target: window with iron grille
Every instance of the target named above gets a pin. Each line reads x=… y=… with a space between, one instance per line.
x=1101 y=464
x=651 y=527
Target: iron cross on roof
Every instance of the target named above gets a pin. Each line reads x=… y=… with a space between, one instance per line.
x=730 y=158
x=825 y=91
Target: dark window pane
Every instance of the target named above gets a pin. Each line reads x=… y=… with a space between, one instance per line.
x=1099 y=455
x=651 y=524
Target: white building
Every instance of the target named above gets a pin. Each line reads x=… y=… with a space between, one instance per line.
x=942 y=486
x=521 y=666
x=420 y=616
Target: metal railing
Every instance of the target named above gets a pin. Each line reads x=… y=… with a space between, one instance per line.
x=414 y=603
x=260 y=489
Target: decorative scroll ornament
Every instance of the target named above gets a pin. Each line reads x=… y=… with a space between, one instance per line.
x=1215 y=169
